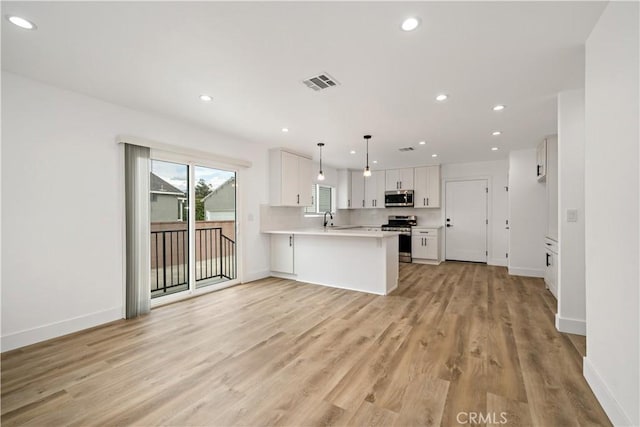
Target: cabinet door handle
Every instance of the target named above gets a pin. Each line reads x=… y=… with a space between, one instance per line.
x=298 y=199
x=363 y=203
x=290 y=240
x=424 y=202
x=548 y=263
x=538 y=170
x=400 y=187
x=427 y=201
x=348 y=203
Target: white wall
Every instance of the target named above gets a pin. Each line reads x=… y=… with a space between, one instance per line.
x=611 y=205
x=527 y=216
x=571 y=289
x=62 y=206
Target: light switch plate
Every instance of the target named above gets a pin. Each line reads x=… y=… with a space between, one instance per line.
x=572 y=215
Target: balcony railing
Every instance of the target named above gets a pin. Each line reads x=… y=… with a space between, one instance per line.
x=215 y=259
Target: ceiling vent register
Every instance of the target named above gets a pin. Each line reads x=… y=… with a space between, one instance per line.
x=320 y=82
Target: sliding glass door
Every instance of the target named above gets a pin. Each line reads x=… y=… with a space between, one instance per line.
x=215 y=236
x=191 y=251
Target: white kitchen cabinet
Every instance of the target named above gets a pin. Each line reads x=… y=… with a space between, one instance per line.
x=282 y=253
x=541 y=160
x=551 y=266
x=399 y=179
x=425 y=245
x=357 y=190
x=344 y=189
x=290 y=179
x=367 y=192
x=374 y=190
x=427 y=187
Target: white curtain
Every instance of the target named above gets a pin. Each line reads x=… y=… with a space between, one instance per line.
x=138 y=264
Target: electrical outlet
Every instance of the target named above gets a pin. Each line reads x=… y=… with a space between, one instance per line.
x=572 y=215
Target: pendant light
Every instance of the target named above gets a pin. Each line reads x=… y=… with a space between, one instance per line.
x=320 y=174
x=367 y=171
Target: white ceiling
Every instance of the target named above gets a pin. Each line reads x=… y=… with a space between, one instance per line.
x=252 y=57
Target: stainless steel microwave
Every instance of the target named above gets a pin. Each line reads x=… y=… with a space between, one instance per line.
x=398 y=198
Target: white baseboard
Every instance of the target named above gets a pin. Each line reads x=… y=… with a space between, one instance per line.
x=571 y=326
x=499 y=262
x=426 y=261
x=527 y=272
x=255 y=275
x=283 y=275
x=58 y=329
x=609 y=403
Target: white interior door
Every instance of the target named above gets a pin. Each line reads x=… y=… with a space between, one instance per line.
x=466 y=220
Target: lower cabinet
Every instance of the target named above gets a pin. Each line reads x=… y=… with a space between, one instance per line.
x=551 y=266
x=282 y=253
x=425 y=245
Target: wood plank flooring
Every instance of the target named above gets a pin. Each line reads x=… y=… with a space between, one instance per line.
x=452 y=341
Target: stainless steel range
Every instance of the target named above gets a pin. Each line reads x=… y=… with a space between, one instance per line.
x=402 y=224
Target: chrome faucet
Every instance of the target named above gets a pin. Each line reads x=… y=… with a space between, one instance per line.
x=325 y=218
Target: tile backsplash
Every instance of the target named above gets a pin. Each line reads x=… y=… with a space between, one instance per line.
x=273 y=217
x=276 y=217
x=426 y=217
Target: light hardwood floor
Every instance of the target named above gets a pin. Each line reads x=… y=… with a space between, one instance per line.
x=455 y=338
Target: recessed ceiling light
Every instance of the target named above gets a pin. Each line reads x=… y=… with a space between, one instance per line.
x=498 y=107
x=21 y=22
x=375 y=161
x=285 y=130
x=422 y=142
x=352 y=152
x=205 y=98
x=410 y=24
x=496 y=133
x=434 y=155
x=494 y=148
x=442 y=97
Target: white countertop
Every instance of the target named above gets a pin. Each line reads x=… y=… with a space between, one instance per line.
x=338 y=231
x=429 y=227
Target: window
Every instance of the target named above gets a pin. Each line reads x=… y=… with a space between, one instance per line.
x=323 y=199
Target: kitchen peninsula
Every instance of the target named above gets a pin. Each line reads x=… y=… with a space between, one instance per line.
x=353 y=258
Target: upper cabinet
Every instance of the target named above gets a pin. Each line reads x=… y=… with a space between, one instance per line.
x=357 y=190
x=541 y=160
x=399 y=179
x=427 y=187
x=367 y=192
x=290 y=179
x=344 y=189
x=374 y=190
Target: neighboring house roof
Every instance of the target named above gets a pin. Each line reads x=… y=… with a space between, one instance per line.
x=159 y=185
x=230 y=181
